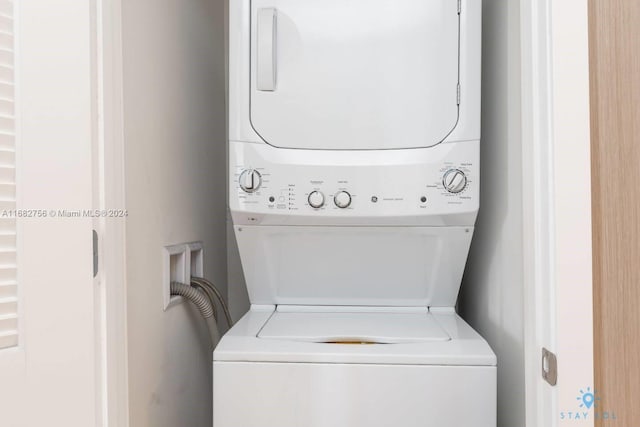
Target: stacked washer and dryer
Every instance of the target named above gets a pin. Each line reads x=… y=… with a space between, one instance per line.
x=354 y=140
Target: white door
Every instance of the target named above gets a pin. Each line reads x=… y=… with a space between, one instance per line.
x=48 y=347
x=333 y=74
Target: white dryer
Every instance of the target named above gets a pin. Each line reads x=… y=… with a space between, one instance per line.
x=354 y=133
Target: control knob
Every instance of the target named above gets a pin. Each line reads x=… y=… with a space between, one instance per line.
x=454 y=181
x=342 y=199
x=250 y=180
x=316 y=199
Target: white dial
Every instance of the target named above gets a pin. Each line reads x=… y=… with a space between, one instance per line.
x=250 y=180
x=342 y=199
x=454 y=181
x=316 y=199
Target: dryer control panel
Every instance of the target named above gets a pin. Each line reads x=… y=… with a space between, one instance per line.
x=431 y=186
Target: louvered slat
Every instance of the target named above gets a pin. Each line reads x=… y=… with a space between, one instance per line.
x=7 y=158
x=8 y=339
x=7 y=273
x=7 y=123
x=7 y=257
x=8 y=322
x=7 y=175
x=7 y=91
x=7 y=223
x=6 y=74
x=6 y=8
x=8 y=268
x=6 y=58
x=7 y=192
x=6 y=24
x=8 y=290
x=6 y=41
x=6 y=107
x=8 y=306
x=6 y=141
x=5 y=206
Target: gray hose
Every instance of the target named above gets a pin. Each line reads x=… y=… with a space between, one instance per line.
x=200 y=300
x=202 y=282
x=213 y=330
x=211 y=295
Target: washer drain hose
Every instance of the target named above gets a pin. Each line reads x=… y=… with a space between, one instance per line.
x=200 y=300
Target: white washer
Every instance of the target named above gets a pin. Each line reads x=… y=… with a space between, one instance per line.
x=275 y=368
x=353 y=187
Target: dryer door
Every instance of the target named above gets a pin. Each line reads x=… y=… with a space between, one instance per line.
x=354 y=75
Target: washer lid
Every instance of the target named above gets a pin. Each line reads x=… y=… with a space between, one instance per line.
x=354 y=327
x=354 y=75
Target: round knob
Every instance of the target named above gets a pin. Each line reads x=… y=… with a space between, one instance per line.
x=316 y=199
x=342 y=199
x=250 y=180
x=454 y=181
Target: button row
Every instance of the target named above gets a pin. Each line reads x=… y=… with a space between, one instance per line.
x=342 y=199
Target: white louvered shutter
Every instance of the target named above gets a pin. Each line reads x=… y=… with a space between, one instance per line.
x=8 y=279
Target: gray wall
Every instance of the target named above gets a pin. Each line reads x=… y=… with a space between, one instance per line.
x=492 y=293
x=174 y=119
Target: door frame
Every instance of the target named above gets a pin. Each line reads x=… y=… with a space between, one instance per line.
x=537 y=161
x=556 y=185
x=555 y=83
x=110 y=188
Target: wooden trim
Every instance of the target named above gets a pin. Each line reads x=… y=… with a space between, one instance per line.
x=615 y=127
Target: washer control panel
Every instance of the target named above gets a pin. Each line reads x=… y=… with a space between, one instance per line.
x=439 y=181
x=454 y=182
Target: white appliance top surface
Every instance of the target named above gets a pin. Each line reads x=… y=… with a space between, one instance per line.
x=354 y=327
x=245 y=342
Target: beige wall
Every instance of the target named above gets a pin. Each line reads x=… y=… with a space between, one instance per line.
x=492 y=293
x=174 y=120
